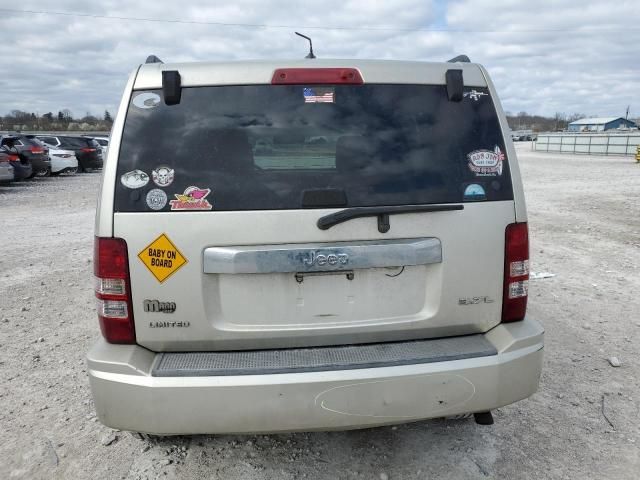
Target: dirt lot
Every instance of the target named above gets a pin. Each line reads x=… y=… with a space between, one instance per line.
x=583 y=423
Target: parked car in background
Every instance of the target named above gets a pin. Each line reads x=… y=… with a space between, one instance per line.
x=104 y=145
x=62 y=161
x=87 y=150
x=22 y=168
x=31 y=150
x=6 y=169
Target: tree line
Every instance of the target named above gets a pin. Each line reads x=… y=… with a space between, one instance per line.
x=63 y=120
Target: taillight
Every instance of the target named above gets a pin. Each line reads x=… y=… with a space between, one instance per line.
x=87 y=150
x=316 y=76
x=516 y=272
x=37 y=150
x=113 y=290
x=14 y=158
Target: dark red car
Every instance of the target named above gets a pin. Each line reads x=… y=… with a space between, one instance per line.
x=22 y=168
x=29 y=151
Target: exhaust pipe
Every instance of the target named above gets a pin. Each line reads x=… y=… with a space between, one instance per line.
x=483 y=418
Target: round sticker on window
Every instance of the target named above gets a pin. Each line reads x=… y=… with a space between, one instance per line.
x=474 y=193
x=156 y=199
x=162 y=176
x=146 y=100
x=134 y=179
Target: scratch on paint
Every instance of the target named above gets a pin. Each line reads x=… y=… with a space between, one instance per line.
x=432 y=412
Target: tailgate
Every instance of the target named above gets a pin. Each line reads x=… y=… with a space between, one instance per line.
x=230 y=295
x=219 y=197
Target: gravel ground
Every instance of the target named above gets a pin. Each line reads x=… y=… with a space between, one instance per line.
x=583 y=423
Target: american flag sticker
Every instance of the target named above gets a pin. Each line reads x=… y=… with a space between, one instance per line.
x=318 y=95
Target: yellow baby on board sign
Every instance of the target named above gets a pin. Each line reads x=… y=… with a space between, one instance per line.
x=162 y=258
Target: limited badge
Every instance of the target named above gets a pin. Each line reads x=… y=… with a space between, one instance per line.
x=146 y=100
x=134 y=179
x=486 y=163
x=474 y=95
x=474 y=193
x=162 y=258
x=156 y=199
x=193 y=198
x=162 y=176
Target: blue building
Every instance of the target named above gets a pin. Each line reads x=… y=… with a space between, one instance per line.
x=600 y=124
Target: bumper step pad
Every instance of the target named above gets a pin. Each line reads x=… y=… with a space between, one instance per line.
x=316 y=359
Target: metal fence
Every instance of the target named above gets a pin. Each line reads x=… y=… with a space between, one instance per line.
x=588 y=144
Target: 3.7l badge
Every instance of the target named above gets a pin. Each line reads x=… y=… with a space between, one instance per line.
x=474 y=300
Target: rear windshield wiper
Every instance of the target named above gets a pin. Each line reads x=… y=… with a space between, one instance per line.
x=328 y=221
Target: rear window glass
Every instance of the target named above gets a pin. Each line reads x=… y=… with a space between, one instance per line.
x=77 y=142
x=270 y=147
x=30 y=142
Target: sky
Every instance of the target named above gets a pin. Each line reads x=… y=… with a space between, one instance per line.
x=545 y=56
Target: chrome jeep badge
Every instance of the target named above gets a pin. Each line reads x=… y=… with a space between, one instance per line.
x=155 y=306
x=322 y=259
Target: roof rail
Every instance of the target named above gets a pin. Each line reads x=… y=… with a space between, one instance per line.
x=153 y=59
x=459 y=58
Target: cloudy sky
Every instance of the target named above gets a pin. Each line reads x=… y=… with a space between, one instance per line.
x=545 y=56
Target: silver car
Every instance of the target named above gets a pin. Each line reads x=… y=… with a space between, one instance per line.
x=6 y=171
x=310 y=245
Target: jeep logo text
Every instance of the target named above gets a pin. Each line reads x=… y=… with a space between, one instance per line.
x=322 y=259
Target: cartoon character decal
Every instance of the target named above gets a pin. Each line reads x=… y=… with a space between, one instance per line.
x=193 y=198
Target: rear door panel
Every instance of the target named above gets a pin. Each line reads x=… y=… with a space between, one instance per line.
x=226 y=311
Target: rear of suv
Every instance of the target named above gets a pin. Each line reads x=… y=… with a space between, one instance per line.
x=308 y=245
x=87 y=150
x=31 y=152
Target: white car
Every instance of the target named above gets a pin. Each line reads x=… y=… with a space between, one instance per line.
x=104 y=145
x=62 y=161
x=378 y=277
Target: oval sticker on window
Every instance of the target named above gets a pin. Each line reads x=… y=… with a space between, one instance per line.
x=146 y=100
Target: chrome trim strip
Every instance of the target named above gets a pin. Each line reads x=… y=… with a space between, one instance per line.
x=322 y=257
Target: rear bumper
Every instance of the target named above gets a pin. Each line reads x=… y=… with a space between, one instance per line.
x=22 y=171
x=40 y=163
x=61 y=164
x=128 y=397
x=89 y=161
x=6 y=173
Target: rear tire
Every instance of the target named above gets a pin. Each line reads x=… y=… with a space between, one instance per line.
x=42 y=173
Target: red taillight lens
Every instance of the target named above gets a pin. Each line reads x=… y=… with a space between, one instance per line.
x=516 y=272
x=37 y=150
x=87 y=150
x=14 y=158
x=113 y=290
x=316 y=76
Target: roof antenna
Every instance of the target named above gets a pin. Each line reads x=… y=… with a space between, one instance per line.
x=311 y=55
